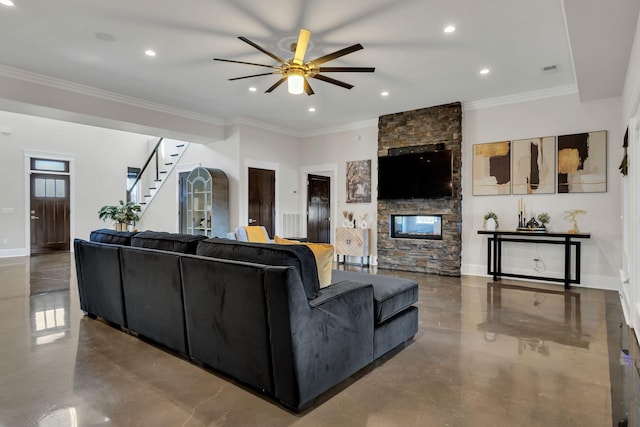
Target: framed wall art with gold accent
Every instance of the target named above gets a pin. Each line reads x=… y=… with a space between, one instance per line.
x=582 y=162
x=491 y=168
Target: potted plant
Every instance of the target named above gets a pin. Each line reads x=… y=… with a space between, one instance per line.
x=122 y=214
x=544 y=219
x=490 y=221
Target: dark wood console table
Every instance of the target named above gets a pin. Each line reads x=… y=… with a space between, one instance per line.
x=494 y=252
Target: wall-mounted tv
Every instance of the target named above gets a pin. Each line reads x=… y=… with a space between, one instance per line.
x=415 y=175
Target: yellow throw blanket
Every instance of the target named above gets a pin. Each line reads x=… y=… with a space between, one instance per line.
x=255 y=233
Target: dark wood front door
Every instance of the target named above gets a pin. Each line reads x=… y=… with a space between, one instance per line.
x=50 y=208
x=319 y=208
x=262 y=198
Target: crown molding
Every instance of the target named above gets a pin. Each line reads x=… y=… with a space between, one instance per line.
x=31 y=77
x=302 y=134
x=571 y=89
x=341 y=128
x=261 y=125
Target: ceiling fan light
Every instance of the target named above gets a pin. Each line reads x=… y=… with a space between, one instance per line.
x=295 y=83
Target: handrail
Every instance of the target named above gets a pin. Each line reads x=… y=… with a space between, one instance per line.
x=154 y=152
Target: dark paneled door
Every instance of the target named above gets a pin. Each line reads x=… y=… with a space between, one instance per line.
x=50 y=208
x=319 y=207
x=262 y=198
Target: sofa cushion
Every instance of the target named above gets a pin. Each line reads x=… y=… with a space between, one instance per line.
x=174 y=242
x=297 y=256
x=391 y=295
x=323 y=254
x=105 y=235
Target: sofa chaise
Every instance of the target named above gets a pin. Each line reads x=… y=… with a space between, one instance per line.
x=253 y=311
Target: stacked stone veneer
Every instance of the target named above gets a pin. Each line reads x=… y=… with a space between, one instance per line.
x=441 y=124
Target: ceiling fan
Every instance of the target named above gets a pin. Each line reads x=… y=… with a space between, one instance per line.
x=296 y=72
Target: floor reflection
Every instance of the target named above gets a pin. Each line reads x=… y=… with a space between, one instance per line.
x=534 y=316
x=50 y=317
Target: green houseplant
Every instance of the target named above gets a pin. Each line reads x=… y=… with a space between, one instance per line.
x=122 y=214
x=544 y=219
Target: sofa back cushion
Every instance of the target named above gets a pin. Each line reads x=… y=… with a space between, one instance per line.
x=298 y=256
x=174 y=242
x=105 y=235
x=152 y=289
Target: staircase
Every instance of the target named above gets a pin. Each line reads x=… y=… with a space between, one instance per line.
x=164 y=157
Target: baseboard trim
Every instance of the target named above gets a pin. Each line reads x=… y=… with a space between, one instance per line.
x=11 y=253
x=592 y=281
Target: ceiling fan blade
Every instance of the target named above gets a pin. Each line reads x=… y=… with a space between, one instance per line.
x=307 y=88
x=301 y=46
x=276 y=84
x=261 y=49
x=332 y=81
x=346 y=69
x=254 y=75
x=337 y=54
x=247 y=63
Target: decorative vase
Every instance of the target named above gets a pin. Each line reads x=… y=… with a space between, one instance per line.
x=122 y=226
x=490 y=225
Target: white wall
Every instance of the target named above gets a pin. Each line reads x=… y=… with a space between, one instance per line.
x=265 y=149
x=162 y=213
x=630 y=291
x=328 y=154
x=547 y=117
x=100 y=159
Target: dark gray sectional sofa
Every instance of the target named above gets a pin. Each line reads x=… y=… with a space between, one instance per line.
x=252 y=311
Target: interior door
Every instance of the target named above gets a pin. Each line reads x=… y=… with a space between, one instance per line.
x=50 y=208
x=319 y=208
x=182 y=201
x=262 y=198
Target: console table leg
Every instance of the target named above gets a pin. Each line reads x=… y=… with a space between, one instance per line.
x=567 y=263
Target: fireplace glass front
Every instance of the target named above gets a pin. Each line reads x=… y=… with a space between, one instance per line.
x=416 y=226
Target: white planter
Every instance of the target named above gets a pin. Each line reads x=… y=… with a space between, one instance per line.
x=490 y=225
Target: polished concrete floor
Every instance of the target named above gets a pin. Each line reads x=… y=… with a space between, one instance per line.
x=486 y=354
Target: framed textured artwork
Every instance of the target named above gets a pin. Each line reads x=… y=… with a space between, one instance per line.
x=582 y=162
x=359 y=181
x=491 y=168
x=533 y=166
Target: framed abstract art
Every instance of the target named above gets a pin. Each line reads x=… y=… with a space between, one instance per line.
x=582 y=162
x=491 y=168
x=533 y=166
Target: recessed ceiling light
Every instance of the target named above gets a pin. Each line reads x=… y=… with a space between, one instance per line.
x=253 y=89
x=449 y=29
x=384 y=93
x=150 y=52
x=6 y=3
x=484 y=71
x=312 y=109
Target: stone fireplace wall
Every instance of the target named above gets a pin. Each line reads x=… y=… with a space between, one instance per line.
x=426 y=126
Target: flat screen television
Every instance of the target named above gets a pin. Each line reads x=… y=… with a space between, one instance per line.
x=415 y=176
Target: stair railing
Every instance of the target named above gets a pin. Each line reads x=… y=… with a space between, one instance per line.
x=154 y=154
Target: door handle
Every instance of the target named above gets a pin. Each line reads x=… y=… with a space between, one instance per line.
x=252 y=221
x=35 y=217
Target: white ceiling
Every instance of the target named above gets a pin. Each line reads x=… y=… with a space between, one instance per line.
x=101 y=44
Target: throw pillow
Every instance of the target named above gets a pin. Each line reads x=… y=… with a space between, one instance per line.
x=323 y=254
x=256 y=233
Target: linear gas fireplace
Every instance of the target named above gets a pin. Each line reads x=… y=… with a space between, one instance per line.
x=416 y=227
